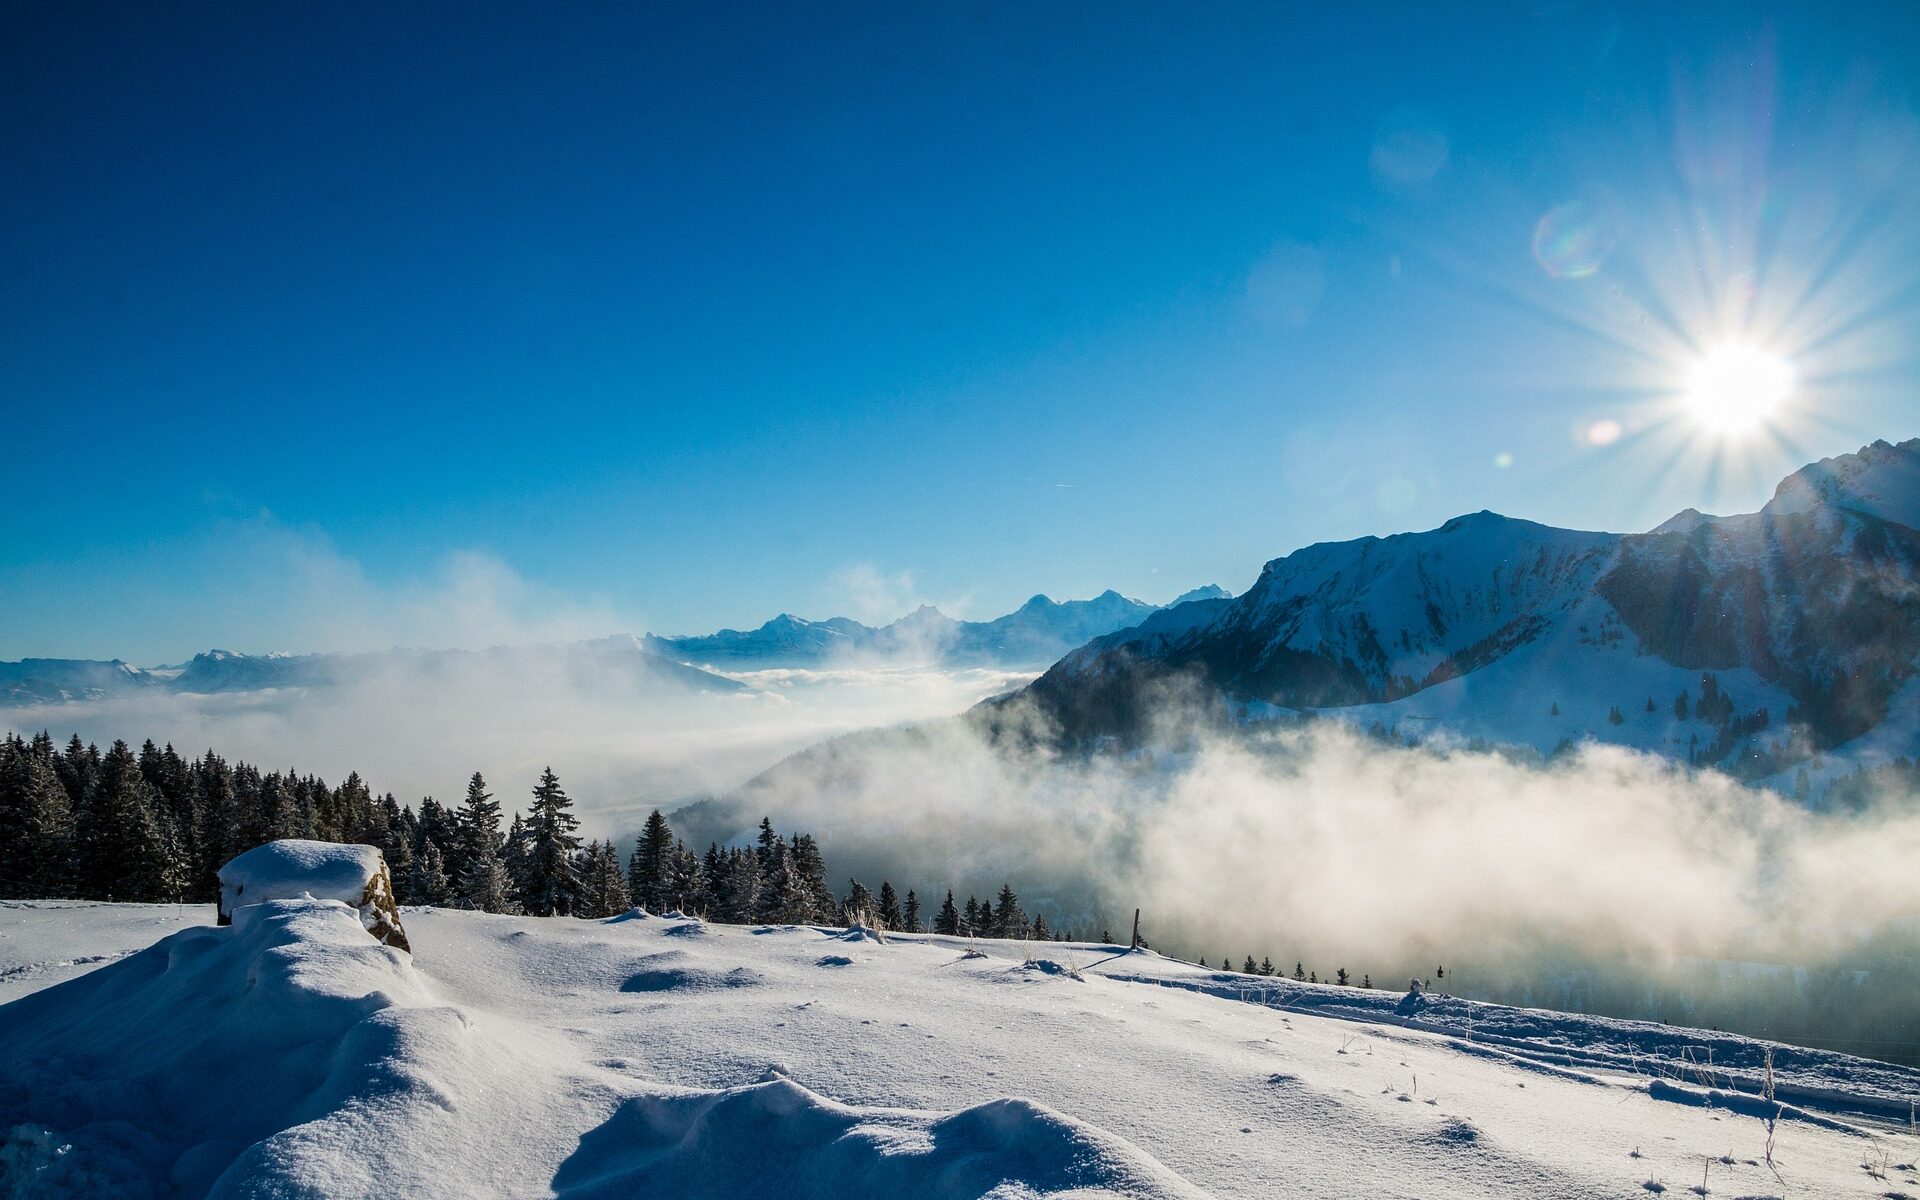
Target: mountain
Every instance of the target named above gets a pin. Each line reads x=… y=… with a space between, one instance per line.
x=618 y=663
x=52 y=680
x=1035 y=634
x=1790 y=632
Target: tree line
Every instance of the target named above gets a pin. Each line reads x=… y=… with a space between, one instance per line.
x=152 y=826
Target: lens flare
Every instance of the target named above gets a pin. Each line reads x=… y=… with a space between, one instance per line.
x=1574 y=239
x=1735 y=389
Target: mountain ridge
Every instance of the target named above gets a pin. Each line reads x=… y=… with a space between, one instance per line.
x=1797 y=625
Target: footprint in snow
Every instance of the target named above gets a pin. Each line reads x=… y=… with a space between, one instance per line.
x=834 y=960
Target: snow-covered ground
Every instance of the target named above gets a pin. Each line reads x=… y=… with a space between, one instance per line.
x=292 y=1055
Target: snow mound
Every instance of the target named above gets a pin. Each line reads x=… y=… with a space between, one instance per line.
x=292 y=868
x=226 y=1061
x=776 y=1138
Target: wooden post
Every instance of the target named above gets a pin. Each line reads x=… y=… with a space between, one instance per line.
x=1136 y=930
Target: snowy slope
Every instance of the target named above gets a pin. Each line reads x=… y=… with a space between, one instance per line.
x=1807 y=613
x=515 y=1056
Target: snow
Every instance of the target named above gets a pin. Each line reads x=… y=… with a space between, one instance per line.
x=294 y=867
x=291 y=1055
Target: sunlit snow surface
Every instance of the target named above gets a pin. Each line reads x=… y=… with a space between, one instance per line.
x=292 y=1055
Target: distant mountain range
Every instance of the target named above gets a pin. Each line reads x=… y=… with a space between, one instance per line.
x=1038 y=633
x=1034 y=635
x=620 y=662
x=1756 y=643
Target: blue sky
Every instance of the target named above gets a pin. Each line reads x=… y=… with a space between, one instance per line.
x=327 y=327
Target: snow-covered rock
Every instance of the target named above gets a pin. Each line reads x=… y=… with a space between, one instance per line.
x=293 y=868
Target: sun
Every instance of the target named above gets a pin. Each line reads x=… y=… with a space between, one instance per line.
x=1734 y=389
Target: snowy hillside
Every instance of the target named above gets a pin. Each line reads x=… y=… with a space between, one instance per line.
x=291 y=1054
x=1797 y=626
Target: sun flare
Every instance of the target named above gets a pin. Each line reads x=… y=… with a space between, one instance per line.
x=1734 y=389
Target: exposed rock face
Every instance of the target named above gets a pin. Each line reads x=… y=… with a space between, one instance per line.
x=293 y=867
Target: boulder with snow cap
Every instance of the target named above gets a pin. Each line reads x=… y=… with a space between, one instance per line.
x=295 y=867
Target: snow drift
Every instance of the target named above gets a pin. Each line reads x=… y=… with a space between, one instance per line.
x=289 y=1054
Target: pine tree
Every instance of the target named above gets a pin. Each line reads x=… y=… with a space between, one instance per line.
x=739 y=902
x=553 y=876
x=858 y=906
x=783 y=894
x=971 y=924
x=1008 y=920
x=687 y=884
x=1340 y=977
x=36 y=823
x=811 y=866
x=713 y=875
x=911 y=914
x=486 y=886
x=1040 y=931
x=603 y=888
x=479 y=822
x=516 y=856
x=1250 y=967
x=1299 y=972
x=650 y=868
x=947 y=921
x=889 y=913
x=484 y=882
x=429 y=883
x=120 y=852
x=1267 y=967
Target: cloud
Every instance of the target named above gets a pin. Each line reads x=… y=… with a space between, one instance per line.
x=288 y=587
x=875 y=597
x=1323 y=845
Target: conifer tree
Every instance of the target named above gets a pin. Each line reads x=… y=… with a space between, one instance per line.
x=1250 y=967
x=428 y=883
x=783 y=895
x=1008 y=920
x=858 y=906
x=1267 y=967
x=479 y=823
x=947 y=921
x=1040 y=931
x=553 y=877
x=811 y=866
x=36 y=823
x=910 y=915
x=971 y=924
x=686 y=884
x=1299 y=972
x=889 y=911
x=119 y=849
x=650 y=868
x=739 y=901
x=515 y=854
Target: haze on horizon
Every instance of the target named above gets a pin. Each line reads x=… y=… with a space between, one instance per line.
x=430 y=327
